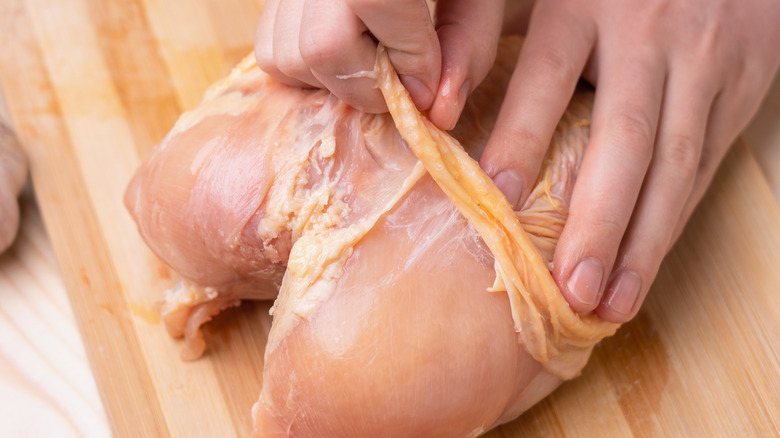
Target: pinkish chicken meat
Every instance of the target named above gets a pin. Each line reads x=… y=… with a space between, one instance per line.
x=390 y=318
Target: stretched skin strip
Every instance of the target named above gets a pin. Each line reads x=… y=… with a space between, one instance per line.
x=553 y=334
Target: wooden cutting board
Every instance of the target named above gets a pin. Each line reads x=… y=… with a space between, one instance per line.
x=93 y=85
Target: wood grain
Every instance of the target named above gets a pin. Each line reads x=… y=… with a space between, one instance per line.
x=93 y=85
x=46 y=385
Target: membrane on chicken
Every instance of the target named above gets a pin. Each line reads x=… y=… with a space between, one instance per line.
x=412 y=300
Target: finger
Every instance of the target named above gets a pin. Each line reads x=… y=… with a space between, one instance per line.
x=264 y=41
x=468 y=33
x=405 y=28
x=550 y=62
x=334 y=44
x=286 y=43
x=722 y=130
x=666 y=189
x=625 y=117
x=732 y=109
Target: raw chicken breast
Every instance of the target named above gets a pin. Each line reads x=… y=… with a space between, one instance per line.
x=391 y=319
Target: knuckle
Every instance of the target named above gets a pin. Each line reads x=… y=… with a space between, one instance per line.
x=320 y=52
x=516 y=148
x=713 y=42
x=520 y=137
x=481 y=54
x=635 y=134
x=601 y=233
x=287 y=63
x=264 y=58
x=599 y=236
x=708 y=162
x=680 y=152
x=556 y=67
x=318 y=56
x=645 y=256
x=519 y=146
x=608 y=225
x=421 y=60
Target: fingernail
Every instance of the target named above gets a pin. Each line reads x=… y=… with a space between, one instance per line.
x=585 y=282
x=421 y=95
x=623 y=292
x=510 y=184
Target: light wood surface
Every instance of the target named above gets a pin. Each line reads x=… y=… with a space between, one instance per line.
x=46 y=385
x=93 y=85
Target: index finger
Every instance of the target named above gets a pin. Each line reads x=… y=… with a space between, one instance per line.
x=551 y=60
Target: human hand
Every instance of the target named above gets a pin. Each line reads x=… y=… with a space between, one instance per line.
x=676 y=81
x=315 y=43
x=13 y=174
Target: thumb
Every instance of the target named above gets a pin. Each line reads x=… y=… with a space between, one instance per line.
x=468 y=33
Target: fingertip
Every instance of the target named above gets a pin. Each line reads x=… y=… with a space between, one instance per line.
x=448 y=104
x=513 y=163
x=623 y=297
x=511 y=185
x=583 y=288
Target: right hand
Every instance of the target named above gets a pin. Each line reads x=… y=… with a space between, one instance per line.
x=315 y=43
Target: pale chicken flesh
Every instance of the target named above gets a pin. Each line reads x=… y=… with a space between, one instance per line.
x=391 y=319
